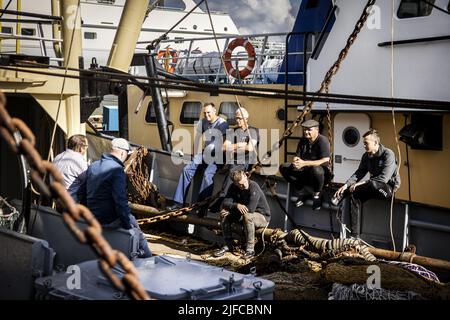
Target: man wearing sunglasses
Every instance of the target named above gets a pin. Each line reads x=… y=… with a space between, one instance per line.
x=106 y=193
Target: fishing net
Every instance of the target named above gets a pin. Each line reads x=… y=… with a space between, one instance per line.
x=8 y=214
x=362 y=292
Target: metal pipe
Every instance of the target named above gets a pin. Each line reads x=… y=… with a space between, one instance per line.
x=127 y=34
x=18 y=26
x=71 y=32
x=157 y=103
x=432 y=263
x=56 y=31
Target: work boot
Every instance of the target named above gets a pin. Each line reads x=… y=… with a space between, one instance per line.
x=248 y=254
x=221 y=252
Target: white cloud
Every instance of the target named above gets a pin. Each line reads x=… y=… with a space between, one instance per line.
x=259 y=16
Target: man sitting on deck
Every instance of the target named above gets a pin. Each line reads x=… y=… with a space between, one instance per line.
x=311 y=165
x=380 y=163
x=207 y=125
x=246 y=202
x=106 y=193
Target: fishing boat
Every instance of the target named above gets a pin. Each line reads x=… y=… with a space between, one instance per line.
x=386 y=80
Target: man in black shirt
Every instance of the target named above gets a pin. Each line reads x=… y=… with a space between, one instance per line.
x=244 y=202
x=311 y=165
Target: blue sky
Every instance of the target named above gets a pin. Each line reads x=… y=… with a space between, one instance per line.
x=259 y=16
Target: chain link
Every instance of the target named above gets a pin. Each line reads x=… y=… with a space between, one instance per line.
x=328 y=77
x=21 y=141
x=179 y=212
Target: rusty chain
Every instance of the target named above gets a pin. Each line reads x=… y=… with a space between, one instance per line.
x=21 y=141
x=328 y=77
x=179 y=212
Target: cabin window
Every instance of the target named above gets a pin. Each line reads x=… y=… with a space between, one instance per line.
x=194 y=27
x=90 y=35
x=8 y=30
x=106 y=1
x=177 y=39
x=28 y=32
x=150 y=115
x=225 y=29
x=414 y=8
x=228 y=109
x=312 y=4
x=172 y=4
x=190 y=112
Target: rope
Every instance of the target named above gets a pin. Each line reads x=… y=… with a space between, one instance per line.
x=394 y=127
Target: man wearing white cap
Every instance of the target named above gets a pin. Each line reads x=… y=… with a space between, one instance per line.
x=106 y=194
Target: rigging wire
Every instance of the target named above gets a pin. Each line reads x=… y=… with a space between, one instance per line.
x=6 y=7
x=262 y=93
x=249 y=91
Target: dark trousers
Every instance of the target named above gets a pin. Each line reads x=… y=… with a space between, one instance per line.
x=144 y=250
x=251 y=221
x=362 y=193
x=316 y=177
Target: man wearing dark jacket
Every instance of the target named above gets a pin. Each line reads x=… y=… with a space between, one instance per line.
x=380 y=163
x=106 y=194
x=244 y=202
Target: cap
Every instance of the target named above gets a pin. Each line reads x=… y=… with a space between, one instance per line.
x=310 y=123
x=122 y=144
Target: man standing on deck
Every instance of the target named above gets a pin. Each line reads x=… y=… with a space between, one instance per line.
x=207 y=125
x=106 y=194
x=245 y=202
x=311 y=164
x=72 y=165
x=380 y=163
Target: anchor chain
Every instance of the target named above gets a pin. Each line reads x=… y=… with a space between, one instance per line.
x=328 y=77
x=22 y=141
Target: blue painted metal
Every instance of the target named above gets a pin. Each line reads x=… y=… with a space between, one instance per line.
x=311 y=18
x=110 y=118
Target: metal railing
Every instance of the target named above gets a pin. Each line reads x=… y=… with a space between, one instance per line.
x=47 y=19
x=265 y=50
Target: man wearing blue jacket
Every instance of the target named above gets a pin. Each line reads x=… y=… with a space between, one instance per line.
x=106 y=194
x=380 y=163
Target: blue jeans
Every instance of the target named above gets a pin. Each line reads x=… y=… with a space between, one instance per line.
x=187 y=175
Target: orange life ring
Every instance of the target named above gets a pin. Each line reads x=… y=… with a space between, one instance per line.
x=236 y=73
x=163 y=57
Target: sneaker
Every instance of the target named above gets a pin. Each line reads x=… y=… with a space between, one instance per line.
x=221 y=252
x=317 y=203
x=248 y=254
x=299 y=202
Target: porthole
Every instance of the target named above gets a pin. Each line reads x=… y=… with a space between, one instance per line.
x=351 y=136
